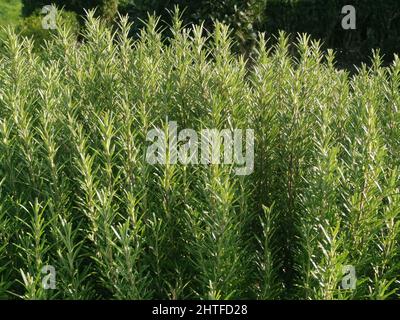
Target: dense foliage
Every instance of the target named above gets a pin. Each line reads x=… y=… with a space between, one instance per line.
x=77 y=193
x=9 y=12
x=32 y=27
x=244 y=17
x=107 y=8
x=378 y=22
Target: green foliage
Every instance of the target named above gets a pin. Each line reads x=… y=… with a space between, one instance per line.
x=78 y=6
x=77 y=193
x=244 y=17
x=106 y=8
x=378 y=22
x=10 y=11
x=32 y=26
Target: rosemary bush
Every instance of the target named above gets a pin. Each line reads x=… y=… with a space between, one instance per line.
x=77 y=193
